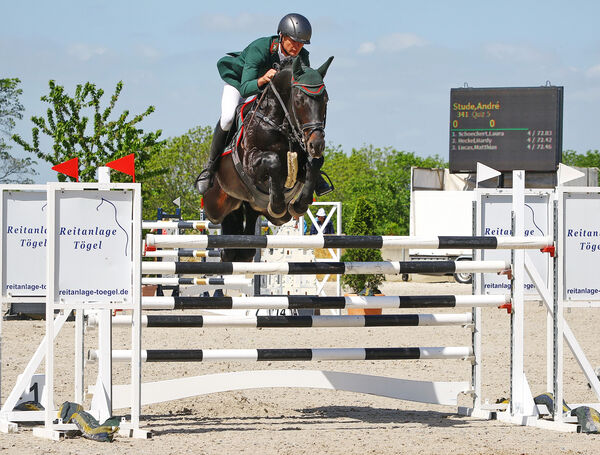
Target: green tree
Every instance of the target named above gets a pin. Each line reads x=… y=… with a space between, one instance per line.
x=363 y=222
x=590 y=159
x=380 y=175
x=80 y=127
x=12 y=169
x=184 y=156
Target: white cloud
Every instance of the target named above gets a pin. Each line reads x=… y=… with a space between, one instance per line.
x=593 y=72
x=240 y=22
x=395 y=42
x=85 y=52
x=148 y=51
x=400 y=41
x=512 y=52
x=367 y=47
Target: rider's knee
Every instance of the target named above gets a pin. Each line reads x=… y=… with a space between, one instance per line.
x=226 y=121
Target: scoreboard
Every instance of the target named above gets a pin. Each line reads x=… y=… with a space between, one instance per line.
x=506 y=128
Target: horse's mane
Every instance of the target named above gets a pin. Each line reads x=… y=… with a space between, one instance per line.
x=286 y=63
x=284 y=71
x=285 y=67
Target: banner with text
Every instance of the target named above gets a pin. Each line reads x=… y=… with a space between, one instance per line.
x=94 y=246
x=580 y=237
x=24 y=243
x=496 y=220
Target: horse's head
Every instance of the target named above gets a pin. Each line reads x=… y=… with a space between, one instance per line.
x=309 y=104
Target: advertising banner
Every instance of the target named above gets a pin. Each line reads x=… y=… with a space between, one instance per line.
x=496 y=220
x=579 y=217
x=94 y=246
x=24 y=242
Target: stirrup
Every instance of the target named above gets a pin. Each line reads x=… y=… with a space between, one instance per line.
x=204 y=181
x=323 y=186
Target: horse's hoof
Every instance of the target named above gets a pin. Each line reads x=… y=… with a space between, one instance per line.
x=293 y=212
x=273 y=214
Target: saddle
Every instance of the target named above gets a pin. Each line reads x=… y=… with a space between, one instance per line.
x=259 y=192
x=244 y=110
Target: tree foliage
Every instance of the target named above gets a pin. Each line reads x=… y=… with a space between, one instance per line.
x=590 y=159
x=363 y=222
x=80 y=127
x=12 y=169
x=380 y=175
x=184 y=157
x=15 y=170
x=10 y=105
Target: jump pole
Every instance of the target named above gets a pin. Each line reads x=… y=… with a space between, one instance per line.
x=292 y=355
x=292 y=302
x=228 y=282
x=314 y=268
x=346 y=241
x=265 y=322
x=195 y=225
x=182 y=253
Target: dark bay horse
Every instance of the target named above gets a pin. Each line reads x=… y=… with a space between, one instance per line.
x=274 y=168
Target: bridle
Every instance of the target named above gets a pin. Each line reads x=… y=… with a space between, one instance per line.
x=293 y=132
x=297 y=130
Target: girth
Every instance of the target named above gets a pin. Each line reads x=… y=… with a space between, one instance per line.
x=259 y=193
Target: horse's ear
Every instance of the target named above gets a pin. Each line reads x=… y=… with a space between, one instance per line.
x=323 y=68
x=297 y=68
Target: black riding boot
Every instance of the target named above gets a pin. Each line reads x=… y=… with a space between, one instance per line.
x=205 y=180
x=323 y=186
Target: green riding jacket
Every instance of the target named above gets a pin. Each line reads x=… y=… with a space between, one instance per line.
x=242 y=69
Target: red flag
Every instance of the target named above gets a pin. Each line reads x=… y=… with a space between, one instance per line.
x=126 y=165
x=70 y=168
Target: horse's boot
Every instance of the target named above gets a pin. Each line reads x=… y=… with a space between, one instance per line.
x=205 y=180
x=323 y=186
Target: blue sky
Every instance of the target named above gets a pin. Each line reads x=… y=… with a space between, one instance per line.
x=389 y=85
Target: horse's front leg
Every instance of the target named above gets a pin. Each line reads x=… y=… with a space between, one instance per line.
x=300 y=205
x=277 y=174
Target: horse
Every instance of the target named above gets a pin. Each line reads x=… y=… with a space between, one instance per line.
x=273 y=164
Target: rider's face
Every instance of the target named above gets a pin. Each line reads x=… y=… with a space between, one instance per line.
x=291 y=47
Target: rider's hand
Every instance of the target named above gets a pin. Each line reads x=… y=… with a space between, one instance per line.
x=266 y=77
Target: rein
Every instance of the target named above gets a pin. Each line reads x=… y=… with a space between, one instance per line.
x=260 y=195
x=294 y=125
x=296 y=128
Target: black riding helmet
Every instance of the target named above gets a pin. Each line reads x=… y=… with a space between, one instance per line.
x=296 y=26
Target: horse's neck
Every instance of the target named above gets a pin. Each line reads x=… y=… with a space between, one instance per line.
x=283 y=87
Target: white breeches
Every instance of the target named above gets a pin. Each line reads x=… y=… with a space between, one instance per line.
x=229 y=101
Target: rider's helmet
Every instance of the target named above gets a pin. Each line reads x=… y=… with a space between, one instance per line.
x=296 y=26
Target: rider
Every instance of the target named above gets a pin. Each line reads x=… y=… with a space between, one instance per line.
x=245 y=74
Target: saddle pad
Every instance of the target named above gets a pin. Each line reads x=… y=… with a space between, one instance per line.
x=243 y=110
